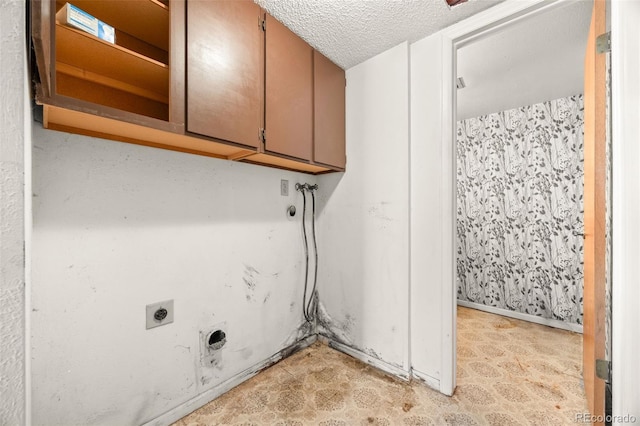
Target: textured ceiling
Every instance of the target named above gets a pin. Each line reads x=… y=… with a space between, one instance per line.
x=351 y=31
x=534 y=60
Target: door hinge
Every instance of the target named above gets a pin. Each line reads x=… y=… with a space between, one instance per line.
x=603 y=370
x=603 y=43
x=262 y=135
x=263 y=24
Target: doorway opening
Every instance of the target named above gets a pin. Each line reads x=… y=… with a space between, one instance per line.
x=519 y=225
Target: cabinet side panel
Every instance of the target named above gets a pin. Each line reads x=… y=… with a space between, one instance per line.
x=177 y=71
x=224 y=71
x=329 y=112
x=41 y=35
x=289 y=92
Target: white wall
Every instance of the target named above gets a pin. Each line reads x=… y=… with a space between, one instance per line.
x=364 y=222
x=13 y=113
x=119 y=226
x=432 y=195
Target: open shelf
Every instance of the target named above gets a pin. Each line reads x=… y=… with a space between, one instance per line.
x=86 y=52
x=146 y=20
x=97 y=71
x=131 y=74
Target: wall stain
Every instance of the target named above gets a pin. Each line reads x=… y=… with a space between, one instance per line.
x=296 y=340
x=188 y=348
x=340 y=332
x=251 y=285
x=292 y=349
x=266 y=298
x=250 y=279
x=348 y=323
x=251 y=270
x=110 y=412
x=377 y=212
x=372 y=354
x=245 y=353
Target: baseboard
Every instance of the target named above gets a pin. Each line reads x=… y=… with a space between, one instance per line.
x=576 y=328
x=383 y=366
x=209 y=395
x=426 y=379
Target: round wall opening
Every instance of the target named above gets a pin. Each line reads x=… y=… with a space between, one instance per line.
x=217 y=339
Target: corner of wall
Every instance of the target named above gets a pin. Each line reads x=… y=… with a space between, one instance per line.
x=364 y=222
x=14 y=389
x=427 y=180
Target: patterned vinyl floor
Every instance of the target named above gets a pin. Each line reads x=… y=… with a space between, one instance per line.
x=510 y=372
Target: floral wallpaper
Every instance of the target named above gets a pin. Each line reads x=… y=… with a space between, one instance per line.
x=519 y=209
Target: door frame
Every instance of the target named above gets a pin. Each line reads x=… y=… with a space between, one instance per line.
x=625 y=94
x=452 y=38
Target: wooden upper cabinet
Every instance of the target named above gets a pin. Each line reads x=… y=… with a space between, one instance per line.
x=197 y=76
x=288 y=92
x=329 y=112
x=225 y=70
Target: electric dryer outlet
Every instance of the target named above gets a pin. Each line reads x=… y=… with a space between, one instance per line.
x=212 y=342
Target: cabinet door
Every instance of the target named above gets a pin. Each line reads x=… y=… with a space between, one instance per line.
x=225 y=70
x=328 y=112
x=289 y=92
